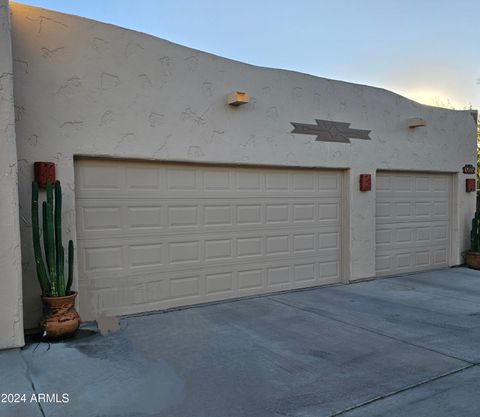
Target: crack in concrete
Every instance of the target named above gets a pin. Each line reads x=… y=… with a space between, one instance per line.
x=29 y=377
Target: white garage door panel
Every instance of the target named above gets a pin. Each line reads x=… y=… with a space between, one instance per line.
x=155 y=236
x=412 y=222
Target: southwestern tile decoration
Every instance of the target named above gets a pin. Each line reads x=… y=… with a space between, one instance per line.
x=330 y=131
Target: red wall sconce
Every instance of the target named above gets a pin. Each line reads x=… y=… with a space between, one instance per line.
x=470 y=185
x=44 y=173
x=365 y=182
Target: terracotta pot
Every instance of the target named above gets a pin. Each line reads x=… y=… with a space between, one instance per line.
x=473 y=259
x=60 y=317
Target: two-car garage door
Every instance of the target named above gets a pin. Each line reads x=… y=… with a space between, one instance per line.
x=154 y=235
x=412 y=221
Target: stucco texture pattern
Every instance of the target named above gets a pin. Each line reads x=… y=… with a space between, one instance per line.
x=83 y=88
x=11 y=326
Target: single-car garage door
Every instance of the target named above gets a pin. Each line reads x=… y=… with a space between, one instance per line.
x=157 y=235
x=412 y=222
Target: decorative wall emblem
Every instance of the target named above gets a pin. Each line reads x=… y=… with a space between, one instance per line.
x=330 y=131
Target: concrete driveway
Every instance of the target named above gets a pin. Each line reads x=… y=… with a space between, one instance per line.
x=404 y=346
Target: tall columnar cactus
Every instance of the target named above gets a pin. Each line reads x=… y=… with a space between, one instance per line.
x=475 y=233
x=50 y=272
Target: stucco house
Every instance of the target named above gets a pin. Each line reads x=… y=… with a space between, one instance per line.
x=178 y=190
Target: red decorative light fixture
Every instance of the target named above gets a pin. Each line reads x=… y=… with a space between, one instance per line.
x=365 y=182
x=44 y=173
x=470 y=185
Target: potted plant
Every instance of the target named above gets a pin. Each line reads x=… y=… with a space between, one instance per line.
x=473 y=255
x=60 y=317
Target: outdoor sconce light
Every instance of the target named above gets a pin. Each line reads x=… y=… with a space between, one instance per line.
x=470 y=185
x=416 y=122
x=365 y=182
x=44 y=172
x=237 y=98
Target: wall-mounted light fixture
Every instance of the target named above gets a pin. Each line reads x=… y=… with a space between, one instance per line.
x=237 y=98
x=416 y=122
x=365 y=182
x=470 y=185
x=44 y=172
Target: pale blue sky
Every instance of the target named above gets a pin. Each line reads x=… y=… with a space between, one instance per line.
x=428 y=50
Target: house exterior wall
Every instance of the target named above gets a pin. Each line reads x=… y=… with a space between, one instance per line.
x=11 y=312
x=83 y=88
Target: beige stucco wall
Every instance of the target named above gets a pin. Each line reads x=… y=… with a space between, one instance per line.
x=11 y=315
x=87 y=88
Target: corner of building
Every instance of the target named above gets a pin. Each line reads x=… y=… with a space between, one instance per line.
x=11 y=310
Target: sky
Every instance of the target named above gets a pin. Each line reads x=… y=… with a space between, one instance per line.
x=427 y=50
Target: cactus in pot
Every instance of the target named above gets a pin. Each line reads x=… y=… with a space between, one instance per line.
x=57 y=295
x=473 y=255
x=50 y=272
x=475 y=233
